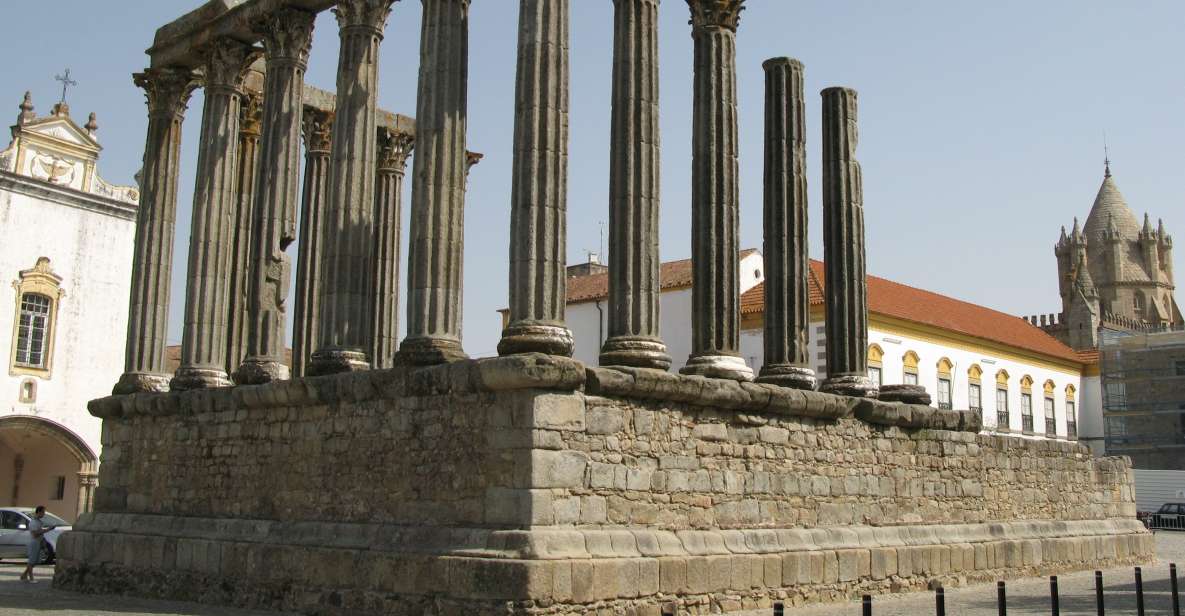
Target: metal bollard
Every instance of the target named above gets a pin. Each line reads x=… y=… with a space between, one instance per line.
x=779 y=609
x=1139 y=593
x=1053 y=598
x=1173 y=582
x=1098 y=592
x=1001 y=598
x=940 y=601
x=867 y=605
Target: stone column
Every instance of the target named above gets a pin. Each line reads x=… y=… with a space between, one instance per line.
x=167 y=90
x=203 y=343
x=843 y=250
x=438 y=188
x=787 y=302
x=287 y=35
x=317 y=129
x=250 y=114
x=394 y=148
x=539 y=187
x=344 y=312
x=715 y=196
x=634 y=191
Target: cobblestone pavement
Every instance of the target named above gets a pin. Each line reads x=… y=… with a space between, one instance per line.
x=1026 y=597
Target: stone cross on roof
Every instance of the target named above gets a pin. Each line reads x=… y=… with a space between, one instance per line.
x=66 y=83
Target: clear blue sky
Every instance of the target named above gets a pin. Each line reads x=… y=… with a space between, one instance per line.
x=981 y=123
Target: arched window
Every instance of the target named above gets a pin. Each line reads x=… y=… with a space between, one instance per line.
x=38 y=291
x=975 y=389
x=910 y=368
x=1071 y=413
x=1138 y=303
x=944 y=383
x=1003 y=418
x=1050 y=418
x=876 y=356
x=1026 y=403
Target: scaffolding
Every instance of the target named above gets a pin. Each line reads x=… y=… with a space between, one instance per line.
x=1143 y=391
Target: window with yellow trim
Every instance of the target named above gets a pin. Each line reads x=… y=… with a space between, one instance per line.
x=876 y=356
x=944 y=383
x=1003 y=418
x=910 y=368
x=38 y=291
x=1026 y=403
x=1071 y=413
x=975 y=389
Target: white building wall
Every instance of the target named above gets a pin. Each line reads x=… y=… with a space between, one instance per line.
x=92 y=252
x=1090 y=415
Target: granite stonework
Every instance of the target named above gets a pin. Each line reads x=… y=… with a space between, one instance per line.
x=531 y=484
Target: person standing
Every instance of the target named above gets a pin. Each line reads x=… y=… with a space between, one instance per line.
x=37 y=530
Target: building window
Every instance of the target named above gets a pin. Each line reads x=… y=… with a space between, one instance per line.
x=909 y=369
x=38 y=291
x=1138 y=303
x=1026 y=412
x=28 y=392
x=876 y=357
x=974 y=397
x=1180 y=367
x=874 y=375
x=1050 y=420
x=1002 y=419
x=1116 y=396
x=58 y=488
x=1071 y=421
x=944 y=394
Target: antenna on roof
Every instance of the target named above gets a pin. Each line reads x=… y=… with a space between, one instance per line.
x=1106 y=157
x=601 y=244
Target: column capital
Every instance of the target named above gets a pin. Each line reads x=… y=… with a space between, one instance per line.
x=251 y=115
x=394 y=148
x=287 y=35
x=711 y=14
x=369 y=14
x=167 y=89
x=317 y=129
x=227 y=61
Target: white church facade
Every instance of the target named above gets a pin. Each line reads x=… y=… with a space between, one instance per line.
x=66 y=241
x=1024 y=381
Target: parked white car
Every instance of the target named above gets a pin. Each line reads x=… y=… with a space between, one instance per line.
x=14 y=533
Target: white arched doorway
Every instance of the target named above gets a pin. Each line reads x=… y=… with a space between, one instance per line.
x=44 y=463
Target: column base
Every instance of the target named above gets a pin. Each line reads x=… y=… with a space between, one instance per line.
x=428 y=351
x=335 y=360
x=635 y=352
x=729 y=367
x=141 y=382
x=259 y=370
x=788 y=375
x=535 y=337
x=192 y=377
x=855 y=385
x=909 y=394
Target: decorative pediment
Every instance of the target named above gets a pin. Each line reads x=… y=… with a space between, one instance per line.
x=61 y=128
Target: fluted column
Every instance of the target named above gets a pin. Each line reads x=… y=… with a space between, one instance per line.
x=539 y=186
x=787 y=303
x=203 y=343
x=715 y=195
x=634 y=191
x=287 y=35
x=317 y=130
x=250 y=114
x=437 y=219
x=843 y=249
x=167 y=91
x=394 y=148
x=344 y=313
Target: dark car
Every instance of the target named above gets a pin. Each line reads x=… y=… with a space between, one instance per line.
x=1170 y=516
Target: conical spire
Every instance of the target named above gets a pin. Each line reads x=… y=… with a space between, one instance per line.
x=1062 y=239
x=1111 y=213
x=26 y=108
x=1147 y=230
x=1076 y=233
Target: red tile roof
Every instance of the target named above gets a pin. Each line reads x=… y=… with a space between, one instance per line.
x=671 y=275
x=893 y=299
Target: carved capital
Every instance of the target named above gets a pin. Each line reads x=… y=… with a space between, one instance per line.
x=317 y=129
x=251 y=115
x=708 y=14
x=394 y=148
x=167 y=90
x=287 y=35
x=368 y=14
x=227 y=61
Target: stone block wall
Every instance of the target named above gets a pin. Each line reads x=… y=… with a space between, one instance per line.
x=532 y=485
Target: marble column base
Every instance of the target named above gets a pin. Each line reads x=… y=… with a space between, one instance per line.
x=635 y=352
x=533 y=337
x=259 y=370
x=858 y=386
x=141 y=382
x=428 y=351
x=729 y=367
x=787 y=375
x=335 y=360
x=198 y=378
x=909 y=394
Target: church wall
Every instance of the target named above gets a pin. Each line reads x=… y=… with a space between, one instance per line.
x=92 y=252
